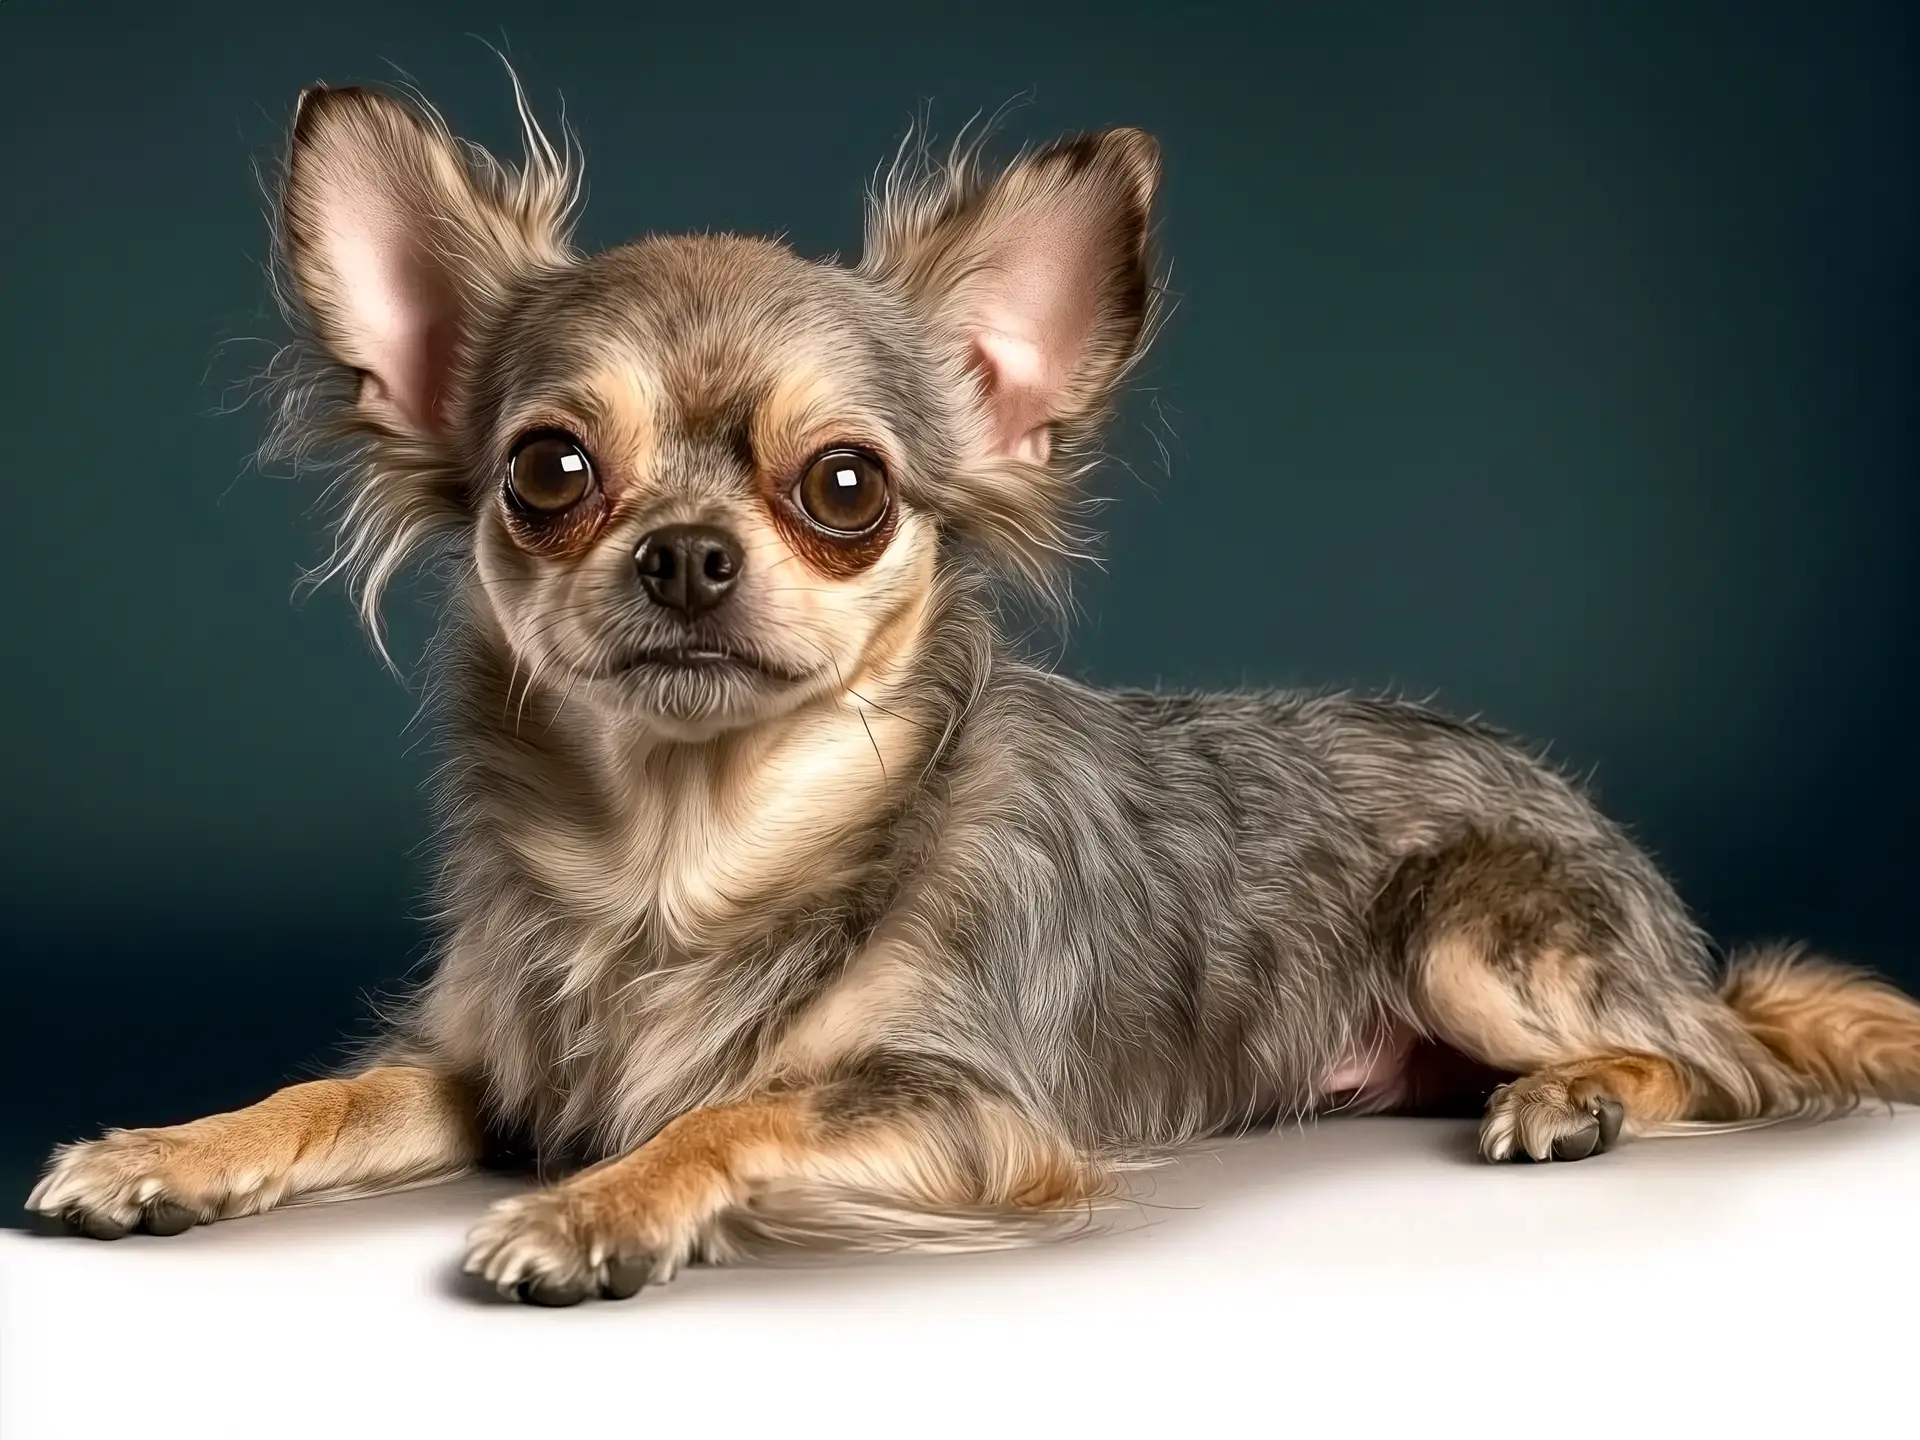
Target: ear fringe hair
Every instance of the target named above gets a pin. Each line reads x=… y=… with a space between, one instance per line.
x=390 y=497
x=912 y=194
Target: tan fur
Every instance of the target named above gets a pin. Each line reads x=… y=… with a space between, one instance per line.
x=619 y=403
x=1653 y=1088
x=852 y=1014
x=1474 y=1007
x=806 y=409
x=1839 y=1032
x=388 y=1126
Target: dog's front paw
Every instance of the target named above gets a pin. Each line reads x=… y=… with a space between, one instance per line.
x=558 y=1246
x=147 y=1180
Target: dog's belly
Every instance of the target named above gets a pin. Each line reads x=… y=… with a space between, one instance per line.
x=1405 y=1071
x=1370 y=1077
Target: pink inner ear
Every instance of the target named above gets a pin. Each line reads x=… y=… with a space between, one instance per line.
x=1016 y=373
x=401 y=306
x=1033 y=318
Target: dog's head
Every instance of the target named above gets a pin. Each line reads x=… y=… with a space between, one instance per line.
x=701 y=478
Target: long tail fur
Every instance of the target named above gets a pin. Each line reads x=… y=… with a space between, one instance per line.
x=1830 y=1036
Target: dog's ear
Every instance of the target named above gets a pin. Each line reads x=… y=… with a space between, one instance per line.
x=393 y=233
x=1040 y=277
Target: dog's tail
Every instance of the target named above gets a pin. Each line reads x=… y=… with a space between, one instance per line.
x=1826 y=1037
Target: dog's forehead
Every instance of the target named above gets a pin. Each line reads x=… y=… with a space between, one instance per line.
x=704 y=324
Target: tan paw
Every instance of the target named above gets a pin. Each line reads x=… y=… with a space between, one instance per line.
x=156 y=1181
x=558 y=1246
x=1547 y=1117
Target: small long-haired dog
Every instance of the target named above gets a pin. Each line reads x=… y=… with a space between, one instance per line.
x=774 y=882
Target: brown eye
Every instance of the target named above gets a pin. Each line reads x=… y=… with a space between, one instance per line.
x=844 y=491
x=549 y=471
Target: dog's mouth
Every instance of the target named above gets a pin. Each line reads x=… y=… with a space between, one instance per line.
x=714 y=660
x=687 y=657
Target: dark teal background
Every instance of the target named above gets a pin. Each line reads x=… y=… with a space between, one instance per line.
x=1555 y=360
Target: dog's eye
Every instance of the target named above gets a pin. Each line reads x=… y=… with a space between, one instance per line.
x=843 y=491
x=549 y=471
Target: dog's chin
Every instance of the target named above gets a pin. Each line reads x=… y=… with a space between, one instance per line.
x=694 y=692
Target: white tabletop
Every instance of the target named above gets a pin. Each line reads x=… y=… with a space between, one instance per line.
x=1358 y=1277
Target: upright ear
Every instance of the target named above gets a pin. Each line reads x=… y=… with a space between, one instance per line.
x=395 y=233
x=1040 y=276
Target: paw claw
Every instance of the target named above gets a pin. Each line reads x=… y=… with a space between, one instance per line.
x=550 y=1292
x=1610 y=1114
x=163 y=1217
x=1579 y=1144
x=625 y=1277
x=94 y=1224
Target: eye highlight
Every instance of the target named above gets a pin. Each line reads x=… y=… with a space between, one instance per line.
x=549 y=471
x=843 y=491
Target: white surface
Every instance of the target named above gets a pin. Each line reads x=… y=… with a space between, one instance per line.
x=1362 y=1277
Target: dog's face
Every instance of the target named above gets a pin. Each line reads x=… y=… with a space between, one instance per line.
x=703 y=480
x=711 y=457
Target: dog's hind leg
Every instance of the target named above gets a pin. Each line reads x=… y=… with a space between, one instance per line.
x=1579 y=975
x=387 y=1126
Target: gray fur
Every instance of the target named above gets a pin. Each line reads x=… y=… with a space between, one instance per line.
x=1146 y=918
x=1138 y=918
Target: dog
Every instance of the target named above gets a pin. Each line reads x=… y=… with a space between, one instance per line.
x=780 y=900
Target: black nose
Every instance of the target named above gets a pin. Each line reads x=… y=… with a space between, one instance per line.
x=689 y=568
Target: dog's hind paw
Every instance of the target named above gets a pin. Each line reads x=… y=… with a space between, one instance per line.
x=1549 y=1117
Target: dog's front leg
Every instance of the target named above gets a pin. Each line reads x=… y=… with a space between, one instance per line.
x=386 y=1126
x=901 y=1133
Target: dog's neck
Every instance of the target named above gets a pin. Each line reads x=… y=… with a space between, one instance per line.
x=706 y=842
